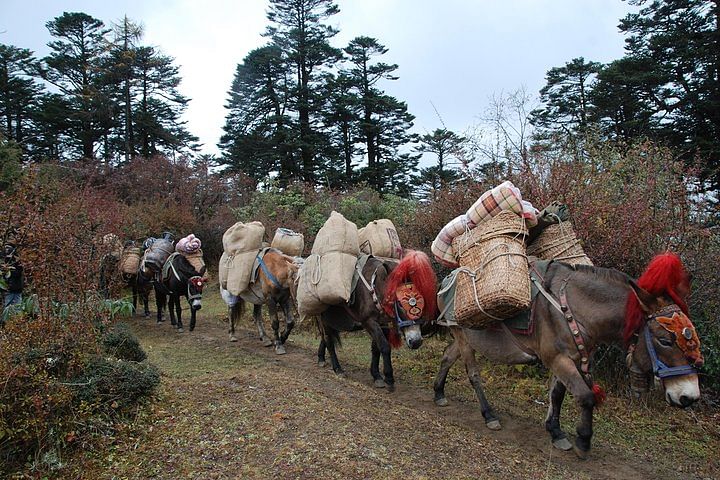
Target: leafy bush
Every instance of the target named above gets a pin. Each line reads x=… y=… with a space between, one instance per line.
x=112 y=384
x=120 y=342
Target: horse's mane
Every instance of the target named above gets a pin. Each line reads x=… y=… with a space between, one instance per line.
x=663 y=275
x=415 y=267
x=607 y=274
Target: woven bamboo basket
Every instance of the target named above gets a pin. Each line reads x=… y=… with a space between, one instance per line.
x=493 y=282
x=559 y=242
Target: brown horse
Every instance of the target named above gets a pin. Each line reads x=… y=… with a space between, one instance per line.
x=581 y=307
x=378 y=310
x=271 y=287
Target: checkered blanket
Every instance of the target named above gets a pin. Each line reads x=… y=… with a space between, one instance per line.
x=505 y=196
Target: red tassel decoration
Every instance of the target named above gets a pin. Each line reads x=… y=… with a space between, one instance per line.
x=600 y=395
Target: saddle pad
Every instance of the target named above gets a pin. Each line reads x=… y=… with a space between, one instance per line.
x=167 y=266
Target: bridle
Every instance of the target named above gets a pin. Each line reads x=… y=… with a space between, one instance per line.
x=660 y=369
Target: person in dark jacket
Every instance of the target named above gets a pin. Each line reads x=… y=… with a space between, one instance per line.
x=13 y=276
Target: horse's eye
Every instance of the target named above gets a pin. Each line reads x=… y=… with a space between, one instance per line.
x=666 y=342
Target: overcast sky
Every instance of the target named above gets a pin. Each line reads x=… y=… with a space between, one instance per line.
x=453 y=54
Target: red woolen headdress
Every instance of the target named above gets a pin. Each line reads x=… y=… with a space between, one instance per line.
x=415 y=267
x=665 y=275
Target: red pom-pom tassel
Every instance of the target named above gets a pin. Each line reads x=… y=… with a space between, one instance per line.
x=599 y=393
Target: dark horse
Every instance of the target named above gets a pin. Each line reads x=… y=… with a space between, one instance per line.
x=275 y=271
x=377 y=309
x=141 y=284
x=179 y=279
x=581 y=307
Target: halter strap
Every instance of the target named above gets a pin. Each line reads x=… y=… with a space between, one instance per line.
x=660 y=369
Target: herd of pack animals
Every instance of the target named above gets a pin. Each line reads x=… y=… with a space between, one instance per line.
x=578 y=307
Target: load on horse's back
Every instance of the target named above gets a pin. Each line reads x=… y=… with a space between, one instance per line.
x=251 y=273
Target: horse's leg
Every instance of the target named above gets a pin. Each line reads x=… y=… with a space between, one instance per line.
x=473 y=373
x=289 y=320
x=134 y=287
x=566 y=371
x=193 y=318
x=383 y=346
x=160 y=300
x=257 y=315
x=321 y=352
x=145 y=294
x=175 y=301
x=375 y=366
x=234 y=314
x=450 y=356
x=330 y=336
x=552 y=421
x=273 y=310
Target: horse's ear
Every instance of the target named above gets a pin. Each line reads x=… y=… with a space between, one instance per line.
x=292 y=265
x=648 y=301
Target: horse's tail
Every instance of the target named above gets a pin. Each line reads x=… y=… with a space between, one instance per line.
x=415 y=267
x=664 y=275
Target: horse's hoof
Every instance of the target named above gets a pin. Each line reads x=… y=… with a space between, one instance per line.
x=581 y=454
x=280 y=350
x=322 y=363
x=562 y=444
x=341 y=374
x=233 y=338
x=493 y=425
x=147 y=314
x=180 y=330
x=267 y=343
x=442 y=402
x=390 y=387
x=379 y=383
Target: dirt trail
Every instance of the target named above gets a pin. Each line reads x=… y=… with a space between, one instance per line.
x=237 y=410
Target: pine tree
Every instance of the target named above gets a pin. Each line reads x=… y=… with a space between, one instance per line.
x=446 y=146
x=158 y=128
x=565 y=97
x=297 y=28
x=258 y=128
x=18 y=93
x=74 y=67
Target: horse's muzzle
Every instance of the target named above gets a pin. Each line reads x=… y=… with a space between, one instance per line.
x=196 y=305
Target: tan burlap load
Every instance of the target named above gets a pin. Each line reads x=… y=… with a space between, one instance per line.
x=195 y=259
x=241 y=244
x=130 y=260
x=559 y=242
x=380 y=238
x=493 y=282
x=289 y=242
x=326 y=275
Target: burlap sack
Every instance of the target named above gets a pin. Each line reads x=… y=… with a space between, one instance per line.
x=243 y=237
x=308 y=278
x=337 y=235
x=380 y=238
x=325 y=280
x=289 y=242
x=241 y=244
x=130 y=260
